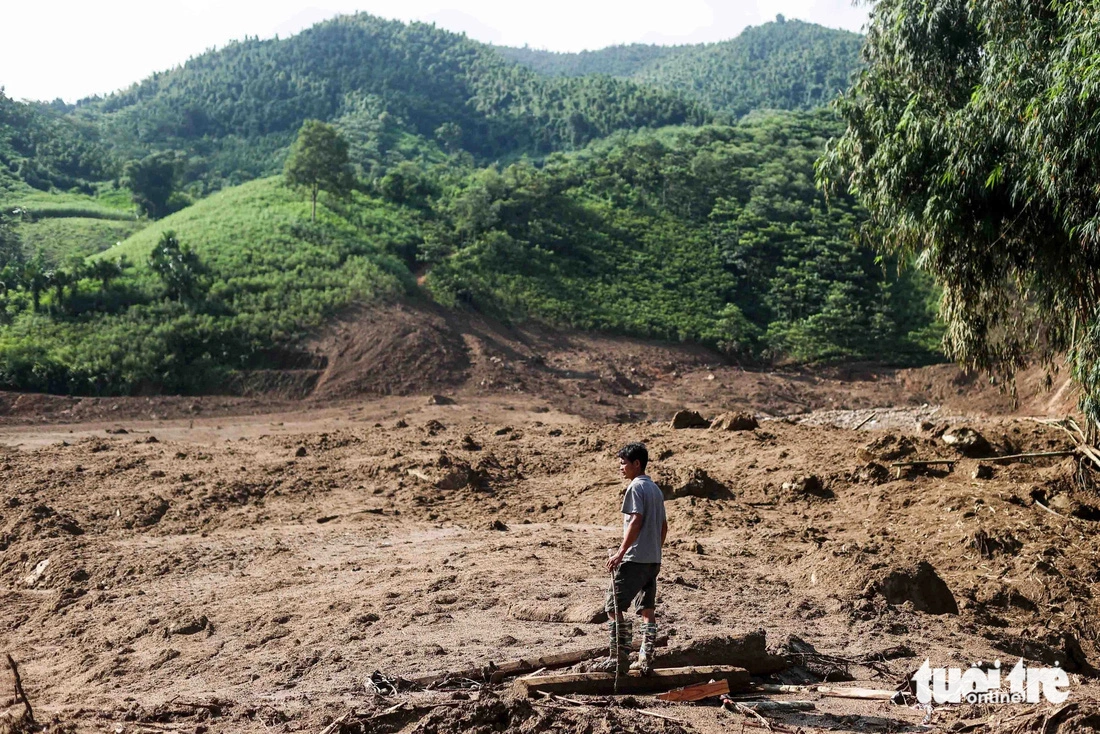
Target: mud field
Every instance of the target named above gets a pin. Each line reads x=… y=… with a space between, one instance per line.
x=246 y=564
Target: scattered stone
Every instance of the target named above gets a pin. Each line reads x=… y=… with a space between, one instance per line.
x=300 y=452
x=469 y=444
x=433 y=427
x=735 y=422
x=151 y=439
x=577 y=632
x=983 y=471
x=689 y=419
x=36 y=575
x=967 y=441
x=157 y=474
x=696 y=547
x=440 y=400
x=919 y=584
x=117 y=431
x=808 y=485
x=401 y=424
x=502 y=431
x=554 y=432
x=498 y=525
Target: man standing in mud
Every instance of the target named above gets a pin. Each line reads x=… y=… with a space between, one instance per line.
x=636 y=563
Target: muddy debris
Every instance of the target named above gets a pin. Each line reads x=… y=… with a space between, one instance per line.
x=690 y=481
x=688 y=419
x=887 y=448
x=918 y=584
x=967 y=442
x=807 y=486
x=739 y=421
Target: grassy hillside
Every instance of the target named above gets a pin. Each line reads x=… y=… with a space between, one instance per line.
x=780 y=65
x=269 y=276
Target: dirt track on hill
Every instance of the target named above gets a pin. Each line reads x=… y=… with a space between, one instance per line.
x=241 y=565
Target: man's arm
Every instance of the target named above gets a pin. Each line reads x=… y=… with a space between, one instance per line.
x=664 y=531
x=633 y=530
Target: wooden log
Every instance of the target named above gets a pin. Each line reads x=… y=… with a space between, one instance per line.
x=522 y=666
x=777 y=706
x=602 y=684
x=697 y=692
x=929 y=462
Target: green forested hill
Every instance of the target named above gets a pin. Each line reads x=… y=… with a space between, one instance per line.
x=786 y=64
x=580 y=201
x=235 y=110
x=710 y=234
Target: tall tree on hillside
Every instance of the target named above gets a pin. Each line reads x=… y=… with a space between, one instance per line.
x=178 y=267
x=153 y=181
x=11 y=245
x=972 y=139
x=318 y=161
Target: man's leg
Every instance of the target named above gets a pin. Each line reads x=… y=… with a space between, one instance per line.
x=647 y=604
x=628 y=582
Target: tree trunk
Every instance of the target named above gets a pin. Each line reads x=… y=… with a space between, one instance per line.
x=313 y=212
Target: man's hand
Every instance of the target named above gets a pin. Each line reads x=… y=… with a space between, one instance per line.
x=614 y=561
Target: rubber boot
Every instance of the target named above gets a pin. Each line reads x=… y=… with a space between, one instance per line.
x=607 y=665
x=618 y=643
x=648 y=651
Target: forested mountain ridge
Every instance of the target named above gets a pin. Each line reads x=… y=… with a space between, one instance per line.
x=235 y=110
x=786 y=64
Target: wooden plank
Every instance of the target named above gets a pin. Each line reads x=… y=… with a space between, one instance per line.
x=697 y=692
x=660 y=679
x=496 y=673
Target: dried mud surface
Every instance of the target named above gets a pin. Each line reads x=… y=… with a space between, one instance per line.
x=246 y=566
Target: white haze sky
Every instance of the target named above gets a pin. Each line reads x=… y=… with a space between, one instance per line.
x=73 y=49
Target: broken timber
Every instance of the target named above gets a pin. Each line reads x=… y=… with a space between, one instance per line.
x=495 y=673
x=602 y=684
x=697 y=692
x=874 y=694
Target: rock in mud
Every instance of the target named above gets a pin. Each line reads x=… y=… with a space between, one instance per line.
x=440 y=400
x=807 y=485
x=735 y=422
x=189 y=626
x=689 y=419
x=983 y=471
x=918 y=584
x=967 y=441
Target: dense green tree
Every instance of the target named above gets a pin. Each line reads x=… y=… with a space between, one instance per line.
x=153 y=180
x=178 y=268
x=972 y=140
x=318 y=161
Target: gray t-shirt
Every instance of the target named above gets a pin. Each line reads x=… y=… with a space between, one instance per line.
x=644 y=498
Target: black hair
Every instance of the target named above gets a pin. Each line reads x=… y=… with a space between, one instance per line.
x=635 y=452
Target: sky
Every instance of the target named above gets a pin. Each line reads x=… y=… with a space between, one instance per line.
x=73 y=49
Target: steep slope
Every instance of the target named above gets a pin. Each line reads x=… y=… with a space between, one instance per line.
x=780 y=65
